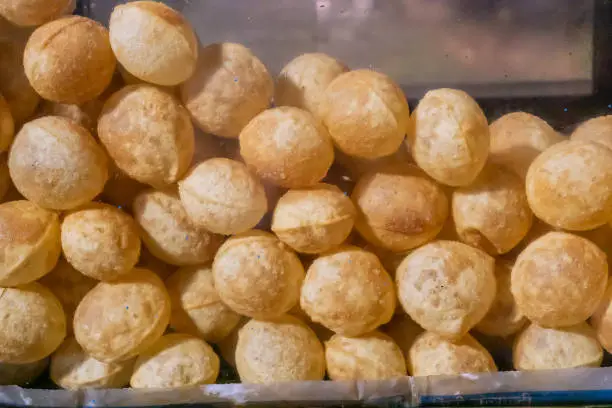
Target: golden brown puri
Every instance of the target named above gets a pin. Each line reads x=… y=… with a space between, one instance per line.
x=229 y=88
x=559 y=279
x=117 y=320
x=72 y=369
x=227 y=346
x=399 y=207
x=348 y=291
x=431 y=354
x=570 y=185
x=303 y=81
x=153 y=42
x=517 y=138
x=601 y=320
x=33 y=323
x=57 y=164
x=167 y=231
x=370 y=356
x=504 y=317
x=315 y=219
x=176 y=360
x=446 y=287
x=449 y=136
x=7 y=125
x=29 y=243
x=492 y=213
x=279 y=350
x=257 y=275
x=69 y=60
x=288 y=147
x=223 y=196
x=27 y=13
x=128 y=79
x=148 y=134
x=539 y=348
x=597 y=130
x=403 y=330
x=197 y=308
x=100 y=241
x=22 y=374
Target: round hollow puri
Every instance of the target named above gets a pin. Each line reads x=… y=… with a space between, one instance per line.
x=280 y=350
x=446 y=287
x=597 y=130
x=153 y=42
x=288 y=147
x=256 y=275
x=69 y=60
x=33 y=162
x=348 y=291
x=449 y=136
x=27 y=13
x=559 y=279
x=222 y=196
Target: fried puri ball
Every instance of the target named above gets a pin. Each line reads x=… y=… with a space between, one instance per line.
x=446 y=287
x=69 y=60
x=348 y=291
x=315 y=219
x=30 y=242
x=153 y=42
x=288 y=147
x=176 y=360
x=280 y=350
x=167 y=231
x=117 y=320
x=399 y=207
x=22 y=374
x=303 y=81
x=371 y=356
x=597 y=130
x=540 y=348
x=449 y=136
x=568 y=186
x=148 y=134
x=26 y=13
x=73 y=369
x=257 y=275
x=57 y=164
x=229 y=88
x=403 y=330
x=197 y=308
x=366 y=113
x=602 y=319
x=431 y=354
x=559 y=279
x=101 y=241
x=492 y=213
x=223 y=196
x=7 y=125
x=33 y=323
x=517 y=138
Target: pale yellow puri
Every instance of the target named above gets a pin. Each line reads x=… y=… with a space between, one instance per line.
x=223 y=196
x=399 y=207
x=7 y=125
x=148 y=134
x=153 y=42
x=33 y=323
x=315 y=219
x=348 y=291
x=57 y=164
x=366 y=113
x=598 y=129
x=280 y=350
x=602 y=320
x=229 y=88
x=559 y=279
x=69 y=60
x=28 y=13
x=431 y=354
x=176 y=360
x=539 y=348
x=257 y=275
x=100 y=241
x=30 y=242
x=288 y=147
x=568 y=186
x=446 y=287
x=72 y=369
x=371 y=356
x=197 y=308
x=449 y=136
x=117 y=320
x=22 y=374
